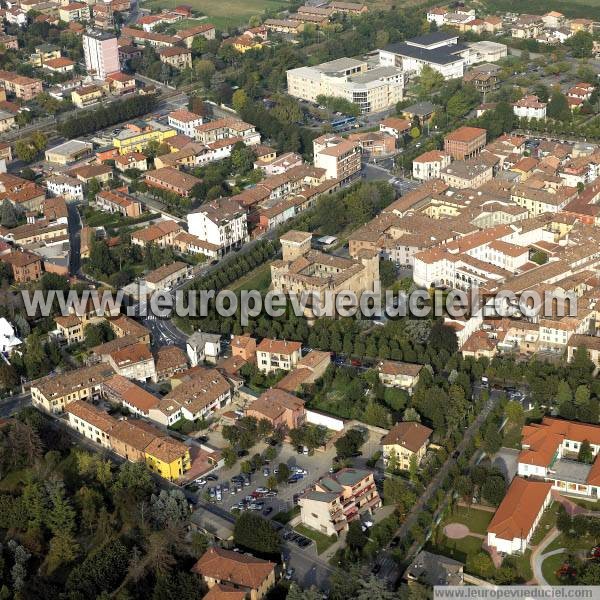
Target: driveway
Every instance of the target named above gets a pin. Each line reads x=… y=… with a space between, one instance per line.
x=507 y=460
x=538 y=556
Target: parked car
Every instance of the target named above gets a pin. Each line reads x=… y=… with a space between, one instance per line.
x=268 y=511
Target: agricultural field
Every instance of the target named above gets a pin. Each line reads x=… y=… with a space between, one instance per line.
x=225 y=14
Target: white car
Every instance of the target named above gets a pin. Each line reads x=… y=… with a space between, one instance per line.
x=200 y=481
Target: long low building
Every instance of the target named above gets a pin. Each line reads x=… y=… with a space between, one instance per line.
x=371 y=89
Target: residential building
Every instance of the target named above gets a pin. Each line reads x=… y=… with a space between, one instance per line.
x=483 y=82
x=136 y=135
x=395 y=127
x=434 y=570
x=25 y=266
x=281 y=409
x=132 y=160
x=170 y=360
x=8 y=340
x=222 y=222
x=168 y=458
x=206 y=30
x=124 y=326
x=185 y=121
x=307 y=371
x=168 y=276
x=227 y=128
x=65 y=186
x=518 y=515
x=371 y=89
x=179 y=58
x=530 y=107
x=86 y=95
x=339 y=499
x=348 y=8
x=130 y=438
x=23 y=88
x=100 y=173
x=187 y=243
x=406 y=442
x=339 y=157
x=59 y=65
x=74 y=11
x=203 y=347
x=119 y=390
x=199 y=393
x=134 y=362
x=429 y=165
x=171 y=180
x=284 y=26
x=140 y=37
x=54 y=392
x=70 y=329
x=252 y=576
x=90 y=422
x=467 y=174
x=275 y=355
x=117 y=201
x=279 y=165
x=465 y=142
x=244 y=347
x=121 y=83
x=162 y=234
x=394 y=373
x=101 y=54
x=374 y=143
x=439 y=50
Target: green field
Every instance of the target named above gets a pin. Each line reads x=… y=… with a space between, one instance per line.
x=587 y=9
x=259 y=279
x=476 y=520
x=225 y=14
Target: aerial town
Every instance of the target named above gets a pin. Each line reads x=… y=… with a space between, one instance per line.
x=288 y=153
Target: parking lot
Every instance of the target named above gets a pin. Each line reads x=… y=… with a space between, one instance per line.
x=313 y=467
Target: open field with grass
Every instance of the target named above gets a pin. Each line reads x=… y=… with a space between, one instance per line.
x=224 y=14
x=476 y=520
x=459 y=549
x=588 y=9
x=550 y=566
x=259 y=279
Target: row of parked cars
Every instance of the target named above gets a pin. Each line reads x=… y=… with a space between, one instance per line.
x=298 y=539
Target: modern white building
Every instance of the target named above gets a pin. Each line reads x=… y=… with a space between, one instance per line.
x=439 y=50
x=101 y=53
x=372 y=89
x=221 y=222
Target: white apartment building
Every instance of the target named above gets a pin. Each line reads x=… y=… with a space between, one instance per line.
x=185 y=122
x=91 y=422
x=530 y=107
x=101 y=53
x=440 y=50
x=275 y=355
x=371 y=89
x=68 y=187
x=430 y=164
x=221 y=222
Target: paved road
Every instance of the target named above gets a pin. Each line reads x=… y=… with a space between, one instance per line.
x=389 y=566
x=74 y=223
x=12 y=405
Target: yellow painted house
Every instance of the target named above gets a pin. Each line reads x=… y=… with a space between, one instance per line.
x=138 y=134
x=167 y=457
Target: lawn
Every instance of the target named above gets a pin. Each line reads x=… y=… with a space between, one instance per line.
x=286 y=516
x=571 y=544
x=476 y=520
x=523 y=564
x=459 y=549
x=546 y=523
x=550 y=566
x=323 y=541
x=225 y=14
x=589 y=9
x=259 y=279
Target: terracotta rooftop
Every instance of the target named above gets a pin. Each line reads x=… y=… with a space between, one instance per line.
x=519 y=509
x=279 y=346
x=166 y=449
x=131 y=393
x=90 y=414
x=409 y=434
x=242 y=570
x=465 y=134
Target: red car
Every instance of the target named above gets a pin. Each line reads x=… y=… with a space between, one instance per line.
x=355 y=362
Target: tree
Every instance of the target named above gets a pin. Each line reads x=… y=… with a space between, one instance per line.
x=355 y=537
x=494 y=489
x=581 y=44
x=349 y=444
x=255 y=533
x=283 y=473
x=239 y=100
x=585 y=454
x=558 y=107
x=8 y=216
x=481 y=564
x=430 y=79
x=410 y=414
x=514 y=412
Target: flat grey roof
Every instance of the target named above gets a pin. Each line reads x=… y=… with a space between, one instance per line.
x=438 y=56
x=70 y=147
x=339 y=64
x=433 y=38
x=570 y=470
x=374 y=74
